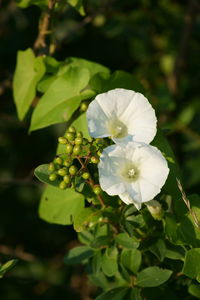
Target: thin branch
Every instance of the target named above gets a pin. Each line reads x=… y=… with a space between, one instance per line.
x=187 y=203
x=18 y=252
x=45 y=26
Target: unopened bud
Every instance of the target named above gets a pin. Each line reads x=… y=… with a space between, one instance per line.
x=155 y=209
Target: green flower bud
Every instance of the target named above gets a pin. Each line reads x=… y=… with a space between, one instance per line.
x=58 y=160
x=83 y=106
x=69 y=148
x=94 y=160
x=73 y=170
x=70 y=136
x=97 y=189
x=52 y=177
x=62 y=140
x=71 y=129
x=78 y=140
x=62 y=185
x=63 y=171
x=86 y=175
x=51 y=167
x=77 y=149
x=79 y=134
x=67 y=163
x=67 y=179
x=155 y=209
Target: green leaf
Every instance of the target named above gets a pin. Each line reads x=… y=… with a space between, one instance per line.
x=78 y=5
x=100 y=241
x=131 y=259
x=119 y=79
x=115 y=294
x=153 y=276
x=91 y=66
x=87 y=216
x=81 y=125
x=125 y=240
x=158 y=249
x=61 y=99
x=109 y=264
x=174 y=252
x=171 y=185
x=29 y=71
x=99 y=279
x=134 y=294
x=85 y=237
x=191 y=266
x=77 y=255
x=194 y=290
x=42 y=173
x=26 y=3
x=60 y=206
x=96 y=262
x=7 y=266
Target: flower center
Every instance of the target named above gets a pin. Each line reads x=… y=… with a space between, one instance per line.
x=117 y=129
x=130 y=173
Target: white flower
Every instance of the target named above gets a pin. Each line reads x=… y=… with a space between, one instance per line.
x=123 y=115
x=134 y=171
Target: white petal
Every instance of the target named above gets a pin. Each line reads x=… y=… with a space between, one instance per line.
x=115 y=101
x=128 y=200
x=97 y=120
x=126 y=106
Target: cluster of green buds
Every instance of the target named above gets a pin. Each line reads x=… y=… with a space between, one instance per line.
x=78 y=154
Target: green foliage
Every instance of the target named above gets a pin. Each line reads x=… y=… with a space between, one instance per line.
x=29 y=71
x=153 y=276
x=191 y=266
x=78 y=5
x=78 y=255
x=131 y=259
x=60 y=206
x=125 y=240
x=4 y=268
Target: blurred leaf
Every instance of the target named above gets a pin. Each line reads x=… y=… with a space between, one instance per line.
x=26 y=3
x=100 y=241
x=131 y=259
x=99 y=279
x=194 y=290
x=78 y=5
x=77 y=255
x=191 y=266
x=61 y=99
x=7 y=266
x=115 y=294
x=60 y=206
x=85 y=237
x=96 y=262
x=28 y=72
x=153 y=276
x=125 y=240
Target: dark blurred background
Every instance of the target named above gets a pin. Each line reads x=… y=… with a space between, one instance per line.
x=159 y=43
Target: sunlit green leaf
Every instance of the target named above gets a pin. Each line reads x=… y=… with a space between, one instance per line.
x=153 y=276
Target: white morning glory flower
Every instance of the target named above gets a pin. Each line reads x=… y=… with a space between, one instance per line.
x=134 y=171
x=123 y=115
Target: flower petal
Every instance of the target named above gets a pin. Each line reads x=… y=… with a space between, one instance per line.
x=133 y=112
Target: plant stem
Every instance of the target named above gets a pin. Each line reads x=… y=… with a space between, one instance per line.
x=45 y=27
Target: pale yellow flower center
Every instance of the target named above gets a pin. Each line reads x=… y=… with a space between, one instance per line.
x=117 y=129
x=130 y=173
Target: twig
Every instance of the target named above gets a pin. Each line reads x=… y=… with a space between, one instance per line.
x=187 y=203
x=18 y=252
x=45 y=26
